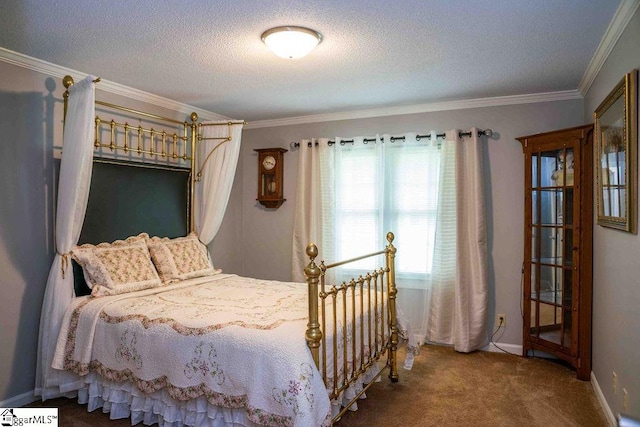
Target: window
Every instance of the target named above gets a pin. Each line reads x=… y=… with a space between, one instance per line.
x=387 y=187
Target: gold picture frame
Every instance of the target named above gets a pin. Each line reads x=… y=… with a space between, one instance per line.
x=616 y=142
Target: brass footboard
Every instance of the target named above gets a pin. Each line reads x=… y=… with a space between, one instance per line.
x=352 y=325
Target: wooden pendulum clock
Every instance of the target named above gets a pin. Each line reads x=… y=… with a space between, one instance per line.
x=271 y=177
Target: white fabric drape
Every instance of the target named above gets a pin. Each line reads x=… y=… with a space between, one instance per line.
x=459 y=295
x=472 y=293
x=308 y=214
x=442 y=307
x=73 y=194
x=213 y=190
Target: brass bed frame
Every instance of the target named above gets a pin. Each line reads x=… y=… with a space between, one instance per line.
x=334 y=295
x=379 y=285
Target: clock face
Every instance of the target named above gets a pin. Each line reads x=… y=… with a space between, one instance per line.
x=269 y=162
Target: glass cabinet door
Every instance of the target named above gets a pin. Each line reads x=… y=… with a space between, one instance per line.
x=558 y=229
x=553 y=244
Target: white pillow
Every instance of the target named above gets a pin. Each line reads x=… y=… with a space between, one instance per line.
x=180 y=258
x=117 y=267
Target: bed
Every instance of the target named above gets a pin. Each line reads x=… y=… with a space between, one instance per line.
x=156 y=333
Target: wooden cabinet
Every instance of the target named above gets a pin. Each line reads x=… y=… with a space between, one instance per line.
x=558 y=231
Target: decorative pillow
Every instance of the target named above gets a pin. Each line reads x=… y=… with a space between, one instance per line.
x=180 y=258
x=118 y=267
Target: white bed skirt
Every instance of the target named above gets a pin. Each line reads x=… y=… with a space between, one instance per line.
x=124 y=400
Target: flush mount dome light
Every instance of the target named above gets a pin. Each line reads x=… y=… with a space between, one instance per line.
x=291 y=42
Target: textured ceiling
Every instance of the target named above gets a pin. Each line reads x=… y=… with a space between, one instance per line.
x=375 y=53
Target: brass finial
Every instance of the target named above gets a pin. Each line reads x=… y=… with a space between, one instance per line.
x=390 y=237
x=194 y=117
x=67 y=81
x=312 y=251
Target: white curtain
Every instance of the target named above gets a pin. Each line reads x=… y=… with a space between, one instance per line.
x=459 y=295
x=308 y=214
x=214 y=188
x=318 y=197
x=73 y=193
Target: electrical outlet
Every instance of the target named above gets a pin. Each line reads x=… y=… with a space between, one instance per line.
x=501 y=320
x=625 y=400
x=614 y=383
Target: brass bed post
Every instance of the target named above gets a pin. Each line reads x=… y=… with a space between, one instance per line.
x=393 y=325
x=192 y=177
x=67 y=82
x=313 y=334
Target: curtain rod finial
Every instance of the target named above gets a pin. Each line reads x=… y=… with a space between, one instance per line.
x=67 y=81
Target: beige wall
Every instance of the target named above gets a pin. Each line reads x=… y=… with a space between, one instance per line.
x=616 y=270
x=30 y=117
x=266 y=235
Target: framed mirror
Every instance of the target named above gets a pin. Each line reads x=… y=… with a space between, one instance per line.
x=616 y=140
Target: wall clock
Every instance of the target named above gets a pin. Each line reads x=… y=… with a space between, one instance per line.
x=271 y=177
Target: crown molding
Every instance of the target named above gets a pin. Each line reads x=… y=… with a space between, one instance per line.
x=621 y=18
x=420 y=108
x=53 y=70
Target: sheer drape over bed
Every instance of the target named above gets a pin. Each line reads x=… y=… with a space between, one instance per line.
x=73 y=194
x=214 y=188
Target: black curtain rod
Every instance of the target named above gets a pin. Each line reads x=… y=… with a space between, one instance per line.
x=487 y=132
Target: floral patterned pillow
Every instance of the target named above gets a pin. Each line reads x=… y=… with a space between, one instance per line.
x=118 y=267
x=180 y=258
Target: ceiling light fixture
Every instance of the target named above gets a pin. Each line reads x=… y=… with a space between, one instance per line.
x=291 y=42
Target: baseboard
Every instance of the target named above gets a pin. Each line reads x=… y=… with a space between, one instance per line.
x=503 y=348
x=611 y=419
x=19 y=401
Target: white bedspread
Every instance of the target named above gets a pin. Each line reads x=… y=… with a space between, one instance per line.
x=237 y=342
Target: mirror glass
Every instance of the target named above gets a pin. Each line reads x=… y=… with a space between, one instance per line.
x=615 y=145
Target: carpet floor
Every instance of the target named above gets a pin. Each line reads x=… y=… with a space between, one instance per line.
x=446 y=388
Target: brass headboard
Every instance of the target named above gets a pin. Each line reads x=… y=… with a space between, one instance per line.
x=145 y=142
x=144 y=175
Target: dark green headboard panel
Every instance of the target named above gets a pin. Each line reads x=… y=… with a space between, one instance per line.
x=126 y=199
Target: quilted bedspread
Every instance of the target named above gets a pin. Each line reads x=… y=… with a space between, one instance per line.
x=237 y=341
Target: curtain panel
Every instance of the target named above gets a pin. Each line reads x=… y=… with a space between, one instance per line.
x=213 y=190
x=471 y=273
x=459 y=294
x=310 y=204
x=73 y=193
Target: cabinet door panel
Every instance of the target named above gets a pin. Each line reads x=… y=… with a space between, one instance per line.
x=551 y=284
